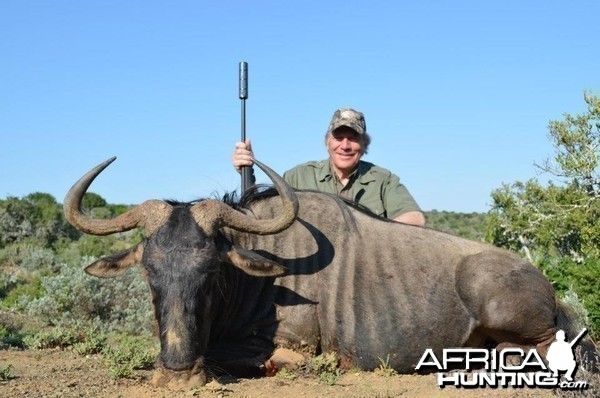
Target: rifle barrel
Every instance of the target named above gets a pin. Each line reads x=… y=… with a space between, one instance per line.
x=576 y=339
x=243 y=94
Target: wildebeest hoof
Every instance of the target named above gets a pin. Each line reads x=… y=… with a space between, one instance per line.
x=178 y=380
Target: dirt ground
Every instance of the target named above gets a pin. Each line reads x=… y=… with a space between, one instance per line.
x=56 y=373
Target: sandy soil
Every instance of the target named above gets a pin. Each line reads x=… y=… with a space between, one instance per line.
x=56 y=373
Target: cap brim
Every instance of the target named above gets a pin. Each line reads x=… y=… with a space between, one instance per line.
x=352 y=126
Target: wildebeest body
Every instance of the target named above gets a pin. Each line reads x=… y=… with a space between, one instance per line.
x=370 y=289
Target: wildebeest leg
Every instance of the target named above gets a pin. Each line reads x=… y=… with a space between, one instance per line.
x=510 y=300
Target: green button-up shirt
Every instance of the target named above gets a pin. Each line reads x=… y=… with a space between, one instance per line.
x=374 y=187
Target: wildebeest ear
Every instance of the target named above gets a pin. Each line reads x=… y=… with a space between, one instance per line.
x=250 y=262
x=116 y=264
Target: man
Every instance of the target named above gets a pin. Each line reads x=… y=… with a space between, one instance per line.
x=345 y=174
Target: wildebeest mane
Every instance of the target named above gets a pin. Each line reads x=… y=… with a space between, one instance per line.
x=229 y=198
x=175 y=203
x=264 y=191
x=260 y=192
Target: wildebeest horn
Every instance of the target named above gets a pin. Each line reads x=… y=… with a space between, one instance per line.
x=148 y=215
x=213 y=214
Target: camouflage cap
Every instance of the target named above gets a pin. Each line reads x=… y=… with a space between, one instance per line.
x=350 y=118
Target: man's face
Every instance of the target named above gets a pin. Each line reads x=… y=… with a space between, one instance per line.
x=345 y=149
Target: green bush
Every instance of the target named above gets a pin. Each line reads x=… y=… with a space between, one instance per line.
x=58 y=337
x=83 y=340
x=325 y=367
x=92 y=200
x=129 y=354
x=36 y=218
x=14 y=253
x=118 y=304
x=569 y=276
x=22 y=289
x=5 y=372
x=468 y=225
x=94 y=344
x=123 y=357
x=10 y=337
x=21 y=267
x=555 y=224
x=39 y=259
x=95 y=246
x=9 y=278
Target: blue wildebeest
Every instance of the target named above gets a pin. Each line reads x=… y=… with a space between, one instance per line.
x=308 y=272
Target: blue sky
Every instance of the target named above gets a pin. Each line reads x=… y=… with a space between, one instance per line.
x=457 y=94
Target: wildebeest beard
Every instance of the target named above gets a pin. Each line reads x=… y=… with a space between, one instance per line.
x=182 y=274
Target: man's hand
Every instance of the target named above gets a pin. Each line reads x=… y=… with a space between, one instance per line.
x=242 y=155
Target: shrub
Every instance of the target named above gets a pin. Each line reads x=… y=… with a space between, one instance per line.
x=14 y=253
x=21 y=267
x=83 y=340
x=287 y=374
x=580 y=279
x=54 y=338
x=123 y=358
x=95 y=246
x=325 y=367
x=94 y=344
x=39 y=259
x=36 y=218
x=10 y=277
x=129 y=354
x=10 y=338
x=5 y=372
x=468 y=225
x=22 y=289
x=118 y=304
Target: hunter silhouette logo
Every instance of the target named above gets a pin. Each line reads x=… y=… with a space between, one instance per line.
x=497 y=368
x=560 y=355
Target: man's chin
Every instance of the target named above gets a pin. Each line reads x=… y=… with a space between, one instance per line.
x=345 y=163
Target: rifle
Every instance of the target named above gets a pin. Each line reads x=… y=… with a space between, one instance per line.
x=247 y=172
x=576 y=339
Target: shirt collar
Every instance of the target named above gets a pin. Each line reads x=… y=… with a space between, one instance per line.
x=362 y=172
x=324 y=171
x=365 y=175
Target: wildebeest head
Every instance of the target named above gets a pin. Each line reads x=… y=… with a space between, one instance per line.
x=181 y=256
